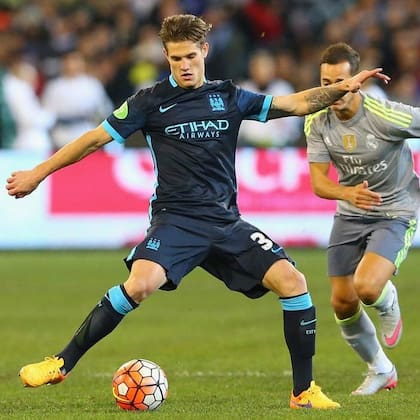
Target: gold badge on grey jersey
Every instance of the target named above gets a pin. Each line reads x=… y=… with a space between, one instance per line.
x=349 y=142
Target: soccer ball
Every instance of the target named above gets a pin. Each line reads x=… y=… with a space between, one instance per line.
x=140 y=384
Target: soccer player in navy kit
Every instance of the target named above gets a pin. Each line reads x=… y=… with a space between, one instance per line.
x=191 y=127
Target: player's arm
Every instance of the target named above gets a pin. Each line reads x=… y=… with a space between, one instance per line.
x=359 y=195
x=22 y=183
x=312 y=100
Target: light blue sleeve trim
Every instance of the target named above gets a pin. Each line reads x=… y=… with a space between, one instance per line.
x=112 y=132
x=266 y=108
x=263 y=115
x=118 y=301
x=297 y=303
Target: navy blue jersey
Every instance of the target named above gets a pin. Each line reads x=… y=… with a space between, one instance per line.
x=192 y=135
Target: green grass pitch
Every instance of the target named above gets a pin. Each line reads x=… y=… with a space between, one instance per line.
x=224 y=355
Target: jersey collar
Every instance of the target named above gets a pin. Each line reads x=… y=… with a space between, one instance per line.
x=173 y=82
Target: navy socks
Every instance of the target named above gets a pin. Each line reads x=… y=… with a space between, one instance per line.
x=104 y=317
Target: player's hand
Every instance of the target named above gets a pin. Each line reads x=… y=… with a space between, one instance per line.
x=364 y=198
x=21 y=183
x=354 y=83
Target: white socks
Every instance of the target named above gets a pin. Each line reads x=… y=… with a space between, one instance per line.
x=360 y=334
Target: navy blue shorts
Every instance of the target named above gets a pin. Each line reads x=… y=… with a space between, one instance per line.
x=237 y=253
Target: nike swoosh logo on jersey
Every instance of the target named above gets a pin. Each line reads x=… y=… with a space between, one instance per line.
x=167 y=108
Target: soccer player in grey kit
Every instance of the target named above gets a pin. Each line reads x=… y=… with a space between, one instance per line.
x=377 y=197
x=191 y=126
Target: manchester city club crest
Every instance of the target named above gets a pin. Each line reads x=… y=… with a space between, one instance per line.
x=216 y=102
x=349 y=142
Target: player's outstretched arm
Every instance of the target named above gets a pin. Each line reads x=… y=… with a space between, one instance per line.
x=22 y=183
x=312 y=100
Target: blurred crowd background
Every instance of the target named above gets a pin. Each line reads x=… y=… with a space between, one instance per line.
x=66 y=64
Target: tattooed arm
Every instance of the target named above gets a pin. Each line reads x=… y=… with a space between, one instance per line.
x=312 y=100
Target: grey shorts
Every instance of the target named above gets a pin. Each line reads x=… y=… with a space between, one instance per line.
x=352 y=237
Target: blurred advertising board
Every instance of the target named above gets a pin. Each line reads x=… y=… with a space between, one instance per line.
x=103 y=201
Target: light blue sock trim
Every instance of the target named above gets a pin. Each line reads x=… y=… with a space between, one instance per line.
x=118 y=301
x=297 y=303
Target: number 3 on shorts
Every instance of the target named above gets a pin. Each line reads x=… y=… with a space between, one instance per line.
x=262 y=240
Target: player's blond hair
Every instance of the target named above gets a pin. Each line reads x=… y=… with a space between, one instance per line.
x=178 y=28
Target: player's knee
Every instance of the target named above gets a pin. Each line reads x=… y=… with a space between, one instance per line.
x=285 y=280
x=344 y=306
x=139 y=289
x=145 y=278
x=366 y=293
x=298 y=280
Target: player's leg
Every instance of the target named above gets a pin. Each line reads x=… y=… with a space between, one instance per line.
x=359 y=332
x=299 y=319
x=145 y=278
x=350 y=236
x=248 y=261
x=375 y=290
x=299 y=324
x=387 y=246
x=164 y=257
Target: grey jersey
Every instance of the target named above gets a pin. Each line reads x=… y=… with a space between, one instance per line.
x=370 y=146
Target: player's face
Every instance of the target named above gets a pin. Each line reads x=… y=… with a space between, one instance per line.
x=186 y=60
x=332 y=73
